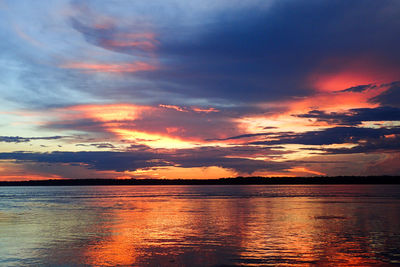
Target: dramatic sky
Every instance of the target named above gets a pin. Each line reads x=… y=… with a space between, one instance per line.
x=199 y=89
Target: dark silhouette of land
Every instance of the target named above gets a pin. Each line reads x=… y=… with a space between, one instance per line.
x=221 y=181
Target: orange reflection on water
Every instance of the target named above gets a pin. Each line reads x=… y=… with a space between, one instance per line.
x=302 y=235
x=162 y=228
x=116 y=250
x=134 y=226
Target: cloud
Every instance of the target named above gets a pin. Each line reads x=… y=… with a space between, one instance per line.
x=99 y=160
x=144 y=157
x=114 y=37
x=387 y=165
x=221 y=55
x=388 y=143
x=243 y=159
x=110 y=68
x=251 y=135
x=193 y=74
x=187 y=109
x=358 y=89
x=249 y=54
x=354 y=116
x=390 y=97
x=177 y=108
x=245 y=53
x=19 y=139
x=154 y=122
x=98 y=145
x=329 y=136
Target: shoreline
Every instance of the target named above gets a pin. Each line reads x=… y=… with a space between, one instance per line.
x=221 y=181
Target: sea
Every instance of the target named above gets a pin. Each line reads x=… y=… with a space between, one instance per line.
x=186 y=225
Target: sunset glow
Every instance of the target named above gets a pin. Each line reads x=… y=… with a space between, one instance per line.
x=199 y=90
x=200 y=133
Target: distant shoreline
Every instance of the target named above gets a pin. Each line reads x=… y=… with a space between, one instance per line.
x=221 y=181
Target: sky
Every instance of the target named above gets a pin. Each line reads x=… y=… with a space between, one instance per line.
x=199 y=89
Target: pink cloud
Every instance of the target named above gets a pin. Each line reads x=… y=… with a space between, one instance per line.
x=145 y=41
x=109 y=67
x=208 y=110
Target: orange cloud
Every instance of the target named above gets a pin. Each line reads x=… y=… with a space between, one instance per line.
x=353 y=72
x=186 y=109
x=109 y=68
x=119 y=120
x=336 y=101
x=107 y=113
x=299 y=171
x=205 y=110
x=177 y=108
x=155 y=140
x=157 y=127
x=328 y=101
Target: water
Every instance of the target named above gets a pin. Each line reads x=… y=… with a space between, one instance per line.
x=295 y=225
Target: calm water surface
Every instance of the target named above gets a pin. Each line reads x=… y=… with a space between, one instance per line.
x=296 y=225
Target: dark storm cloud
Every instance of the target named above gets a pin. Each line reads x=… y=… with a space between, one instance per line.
x=359 y=88
x=251 y=135
x=86 y=125
x=231 y=158
x=234 y=151
x=241 y=136
x=249 y=54
x=99 y=160
x=390 y=97
x=335 y=135
x=391 y=144
x=144 y=157
x=355 y=116
x=98 y=145
x=255 y=54
x=19 y=139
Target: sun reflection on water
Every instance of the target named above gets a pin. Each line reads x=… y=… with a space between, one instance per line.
x=201 y=226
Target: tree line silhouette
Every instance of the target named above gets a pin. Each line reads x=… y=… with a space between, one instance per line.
x=220 y=181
